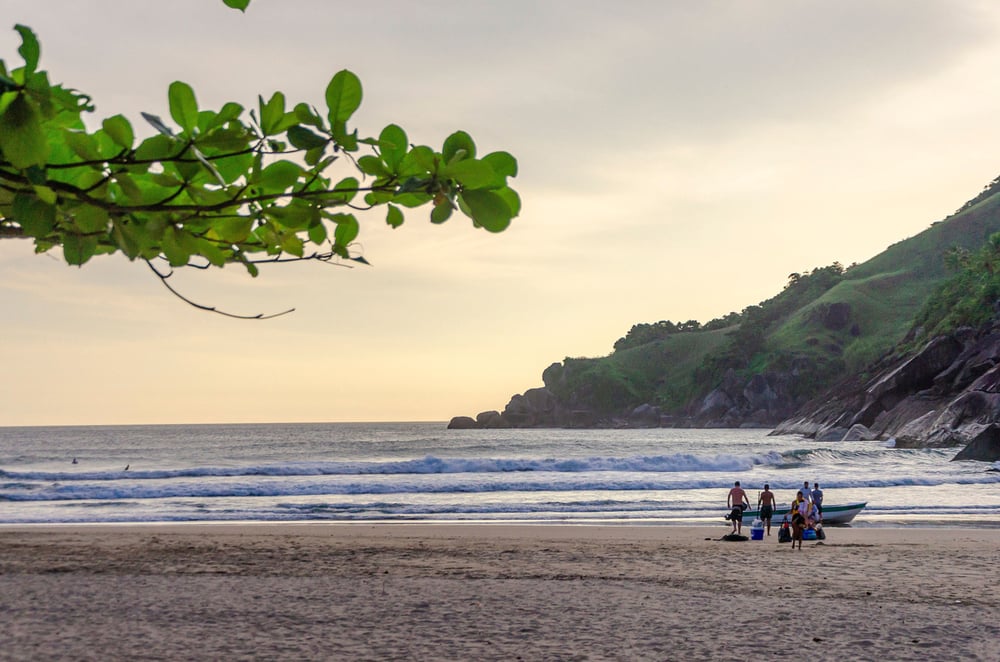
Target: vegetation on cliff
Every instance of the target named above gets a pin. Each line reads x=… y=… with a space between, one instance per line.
x=825 y=324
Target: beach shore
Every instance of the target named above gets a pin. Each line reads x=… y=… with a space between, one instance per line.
x=494 y=592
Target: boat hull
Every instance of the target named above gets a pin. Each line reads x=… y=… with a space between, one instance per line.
x=842 y=514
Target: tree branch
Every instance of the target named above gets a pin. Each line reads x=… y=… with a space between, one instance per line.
x=163 y=279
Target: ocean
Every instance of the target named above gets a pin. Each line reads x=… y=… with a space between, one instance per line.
x=398 y=472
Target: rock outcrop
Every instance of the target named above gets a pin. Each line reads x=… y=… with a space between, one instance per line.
x=947 y=394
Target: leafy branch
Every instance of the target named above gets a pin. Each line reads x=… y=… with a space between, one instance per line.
x=224 y=186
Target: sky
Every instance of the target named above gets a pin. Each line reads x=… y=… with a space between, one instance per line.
x=678 y=160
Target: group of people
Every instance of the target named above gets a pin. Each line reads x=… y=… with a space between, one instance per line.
x=806 y=511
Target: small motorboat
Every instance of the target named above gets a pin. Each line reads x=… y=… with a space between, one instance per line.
x=831 y=514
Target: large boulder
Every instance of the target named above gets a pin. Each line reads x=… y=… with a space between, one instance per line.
x=491 y=420
x=714 y=405
x=914 y=375
x=858 y=432
x=985 y=447
x=462 y=423
x=644 y=416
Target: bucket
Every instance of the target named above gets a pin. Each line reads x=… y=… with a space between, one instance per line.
x=756 y=534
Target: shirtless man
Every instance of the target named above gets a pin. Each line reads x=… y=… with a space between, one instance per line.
x=737 y=497
x=765 y=504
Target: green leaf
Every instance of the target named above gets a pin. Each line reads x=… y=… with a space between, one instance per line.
x=394 y=216
x=418 y=161
x=45 y=194
x=279 y=175
x=233 y=167
x=472 y=174
x=292 y=244
x=129 y=187
x=315 y=155
x=512 y=199
x=343 y=96
x=307 y=115
x=303 y=138
x=237 y=4
x=82 y=144
x=233 y=230
x=119 y=129
x=36 y=218
x=441 y=212
x=346 y=231
x=294 y=216
x=458 y=146
x=91 y=219
x=183 y=105
x=77 y=249
x=29 y=50
x=272 y=113
x=372 y=165
x=487 y=209
x=155 y=148
x=317 y=233
x=126 y=237
x=392 y=144
x=345 y=191
x=223 y=140
x=502 y=163
x=22 y=139
x=173 y=245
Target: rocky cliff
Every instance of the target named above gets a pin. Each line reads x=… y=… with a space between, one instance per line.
x=945 y=394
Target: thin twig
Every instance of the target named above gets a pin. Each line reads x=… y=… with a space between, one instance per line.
x=163 y=279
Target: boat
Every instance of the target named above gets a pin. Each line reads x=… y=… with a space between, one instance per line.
x=831 y=514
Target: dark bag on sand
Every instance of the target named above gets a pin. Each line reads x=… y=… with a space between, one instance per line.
x=784 y=534
x=734 y=537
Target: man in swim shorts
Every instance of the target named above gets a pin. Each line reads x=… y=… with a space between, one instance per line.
x=736 y=500
x=765 y=503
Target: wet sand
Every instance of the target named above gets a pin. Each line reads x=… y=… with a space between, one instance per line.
x=494 y=592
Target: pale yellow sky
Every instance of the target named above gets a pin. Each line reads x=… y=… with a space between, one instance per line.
x=678 y=160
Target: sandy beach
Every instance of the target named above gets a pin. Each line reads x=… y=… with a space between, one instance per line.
x=494 y=592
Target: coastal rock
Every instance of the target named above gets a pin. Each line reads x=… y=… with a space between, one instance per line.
x=462 y=423
x=644 y=416
x=913 y=375
x=858 y=432
x=715 y=405
x=491 y=420
x=985 y=447
x=832 y=433
x=947 y=394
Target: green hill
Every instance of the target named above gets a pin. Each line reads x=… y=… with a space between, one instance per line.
x=823 y=326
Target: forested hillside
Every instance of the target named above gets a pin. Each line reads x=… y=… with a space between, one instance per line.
x=759 y=365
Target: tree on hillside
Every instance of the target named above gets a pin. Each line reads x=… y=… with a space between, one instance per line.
x=215 y=187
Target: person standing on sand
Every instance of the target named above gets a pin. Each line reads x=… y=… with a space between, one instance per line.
x=765 y=504
x=799 y=508
x=806 y=493
x=817 y=497
x=736 y=500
